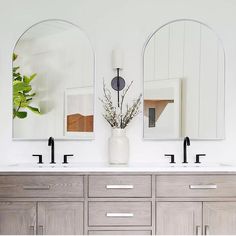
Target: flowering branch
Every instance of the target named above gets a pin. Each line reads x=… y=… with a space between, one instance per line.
x=114 y=115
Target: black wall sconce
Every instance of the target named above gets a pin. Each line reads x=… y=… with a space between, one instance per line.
x=117 y=83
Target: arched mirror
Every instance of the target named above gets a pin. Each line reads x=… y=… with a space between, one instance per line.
x=184 y=82
x=53 y=83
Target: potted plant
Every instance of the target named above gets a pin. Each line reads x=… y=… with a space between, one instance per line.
x=119 y=117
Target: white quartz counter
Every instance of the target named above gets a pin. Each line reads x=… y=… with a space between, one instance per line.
x=134 y=167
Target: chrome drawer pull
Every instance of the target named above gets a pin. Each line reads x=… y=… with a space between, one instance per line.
x=120 y=214
x=36 y=187
x=120 y=186
x=203 y=186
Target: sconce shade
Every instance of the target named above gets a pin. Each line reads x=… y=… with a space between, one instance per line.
x=117 y=59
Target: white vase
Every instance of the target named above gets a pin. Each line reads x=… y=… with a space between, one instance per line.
x=118 y=147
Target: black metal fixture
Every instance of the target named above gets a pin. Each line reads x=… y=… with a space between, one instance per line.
x=172 y=158
x=198 y=158
x=65 y=161
x=117 y=83
x=40 y=158
x=185 y=144
x=51 y=143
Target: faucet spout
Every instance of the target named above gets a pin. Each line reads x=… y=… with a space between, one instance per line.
x=51 y=143
x=185 y=144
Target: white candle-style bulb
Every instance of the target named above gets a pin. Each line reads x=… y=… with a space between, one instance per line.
x=117 y=59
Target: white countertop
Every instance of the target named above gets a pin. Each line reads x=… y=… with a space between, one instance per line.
x=134 y=167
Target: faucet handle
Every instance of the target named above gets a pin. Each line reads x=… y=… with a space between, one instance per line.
x=65 y=158
x=198 y=158
x=172 y=158
x=40 y=158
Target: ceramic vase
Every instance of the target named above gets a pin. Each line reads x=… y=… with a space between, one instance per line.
x=118 y=147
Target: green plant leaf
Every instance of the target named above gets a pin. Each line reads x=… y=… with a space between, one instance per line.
x=15 y=68
x=21 y=92
x=21 y=114
x=19 y=86
x=34 y=109
x=27 y=79
x=14 y=56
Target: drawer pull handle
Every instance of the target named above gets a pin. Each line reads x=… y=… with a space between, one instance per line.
x=198 y=230
x=31 y=228
x=207 y=230
x=40 y=230
x=36 y=187
x=203 y=186
x=120 y=214
x=120 y=186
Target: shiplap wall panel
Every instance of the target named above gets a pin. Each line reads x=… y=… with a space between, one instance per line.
x=221 y=89
x=192 y=52
x=208 y=84
x=176 y=50
x=162 y=54
x=190 y=84
x=149 y=65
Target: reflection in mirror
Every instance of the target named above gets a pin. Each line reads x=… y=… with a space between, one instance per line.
x=184 y=82
x=53 y=83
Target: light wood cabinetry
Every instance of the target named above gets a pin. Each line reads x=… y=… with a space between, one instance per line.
x=117 y=203
x=219 y=218
x=120 y=186
x=18 y=218
x=60 y=218
x=178 y=218
x=120 y=213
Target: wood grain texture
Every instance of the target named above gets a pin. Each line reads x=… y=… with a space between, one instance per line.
x=178 y=218
x=178 y=186
x=119 y=232
x=55 y=186
x=60 y=218
x=141 y=213
x=220 y=217
x=141 y=186
x=18 y=218
x=79 y=123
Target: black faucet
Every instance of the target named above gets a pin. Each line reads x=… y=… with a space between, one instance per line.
x=186 y=143
x=51 y=143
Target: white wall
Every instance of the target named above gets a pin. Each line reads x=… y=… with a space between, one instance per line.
x=111 y=23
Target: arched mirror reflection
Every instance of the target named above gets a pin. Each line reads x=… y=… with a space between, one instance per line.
x=53 y=83
x=184 y=82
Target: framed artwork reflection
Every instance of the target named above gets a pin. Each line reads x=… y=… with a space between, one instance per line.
x=79 y=112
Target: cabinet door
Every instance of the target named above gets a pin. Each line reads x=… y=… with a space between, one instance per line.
x=178 y=218
x=60 y=218
x=219 y=217
x=17 y=218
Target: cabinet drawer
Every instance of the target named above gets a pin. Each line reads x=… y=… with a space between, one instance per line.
x=119 y=213
x=41 y=186
x=119 y=232
x=196 y=186
x=120 y=186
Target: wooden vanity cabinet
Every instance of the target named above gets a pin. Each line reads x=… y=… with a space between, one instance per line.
x=60 y=218
x=219 y=218
x=178 y=218
x=117 y=203
x=196 y=204
x=17 y=218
